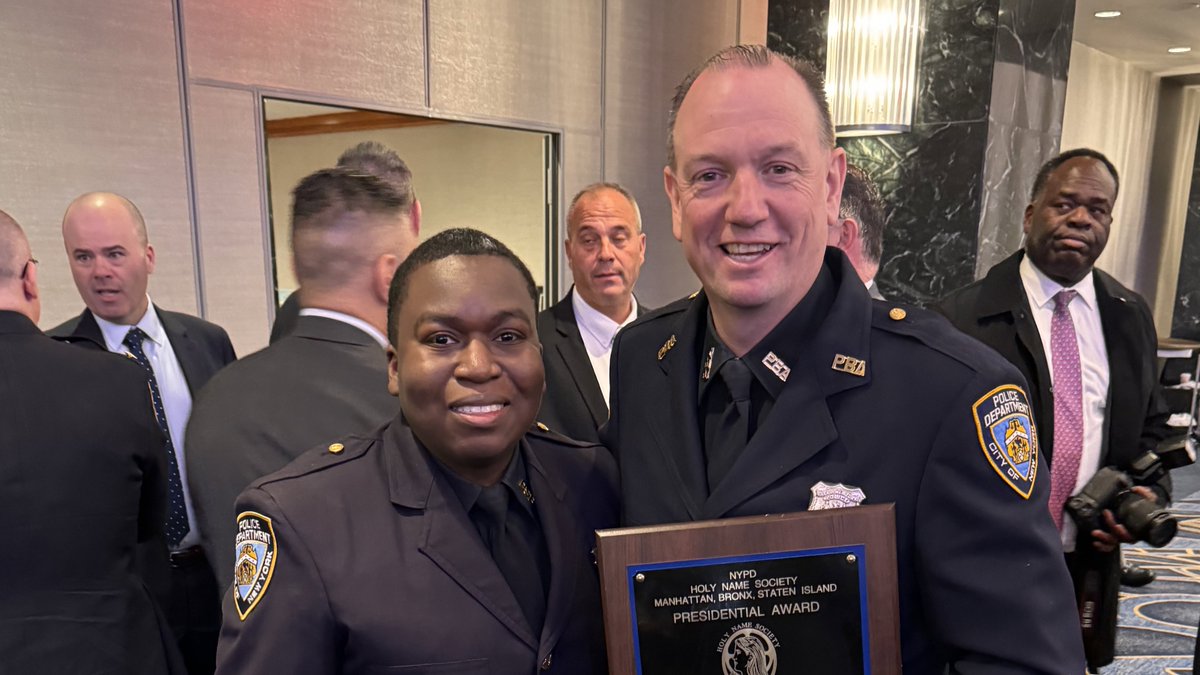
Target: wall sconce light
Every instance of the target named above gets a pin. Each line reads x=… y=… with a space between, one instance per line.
x=871 y=70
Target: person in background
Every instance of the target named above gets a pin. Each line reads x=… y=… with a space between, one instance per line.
x=860 y=232
x=83 y=487
x=111 y=261
x=605 y=248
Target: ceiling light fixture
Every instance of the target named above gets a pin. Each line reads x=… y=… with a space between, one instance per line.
x=1107 y=14
x=1179 y=50
x=871 y=73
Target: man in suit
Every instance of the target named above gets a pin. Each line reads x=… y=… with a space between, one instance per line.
x=454 y=539
x=1087 y=346
x=111 y=260
x=781 y=387
x=328 y=376
x=860 y=229
x=376 y=159
x=605 y=249
x=83 y=487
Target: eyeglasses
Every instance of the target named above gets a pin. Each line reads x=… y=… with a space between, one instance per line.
x=25 y=267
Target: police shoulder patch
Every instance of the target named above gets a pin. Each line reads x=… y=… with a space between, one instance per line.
x=254 y=561
x=1008 y=437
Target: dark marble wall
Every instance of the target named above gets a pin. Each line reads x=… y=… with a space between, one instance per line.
x=1187 y=297
x=932 y=178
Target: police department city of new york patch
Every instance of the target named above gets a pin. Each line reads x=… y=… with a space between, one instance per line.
x=254 y=560
x=1008 y=437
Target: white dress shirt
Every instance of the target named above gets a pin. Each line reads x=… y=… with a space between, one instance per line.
x=1093 y=364
x=598 y=332
x=172 y=386
x=346 y=318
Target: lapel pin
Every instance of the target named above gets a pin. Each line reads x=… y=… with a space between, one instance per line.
x=525 y=491
x=706 y=372
x=777 y=366
x=662 y=351
x=849 y=364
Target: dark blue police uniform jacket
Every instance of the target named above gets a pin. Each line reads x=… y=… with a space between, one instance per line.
x=377 y=568
x=983 y=584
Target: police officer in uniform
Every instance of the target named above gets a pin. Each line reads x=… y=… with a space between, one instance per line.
x=454 y=539
x=782 y=387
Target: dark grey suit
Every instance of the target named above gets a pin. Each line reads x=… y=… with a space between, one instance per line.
x=573 y=404
x=202 y=347
x=321 y=381
x=82 y=487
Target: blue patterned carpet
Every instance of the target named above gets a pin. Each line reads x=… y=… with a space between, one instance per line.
x=1157 y=623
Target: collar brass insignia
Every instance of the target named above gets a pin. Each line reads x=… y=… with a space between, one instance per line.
x=849 y=364
x=777 y=366
x=706 y=372
x=662 y=351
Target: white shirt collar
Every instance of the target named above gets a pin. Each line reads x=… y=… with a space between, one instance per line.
x=352 y=320
x=114 y=333
x=1042 y=289
x=596 y=324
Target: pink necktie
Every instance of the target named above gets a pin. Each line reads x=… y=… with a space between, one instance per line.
x=1068 y=406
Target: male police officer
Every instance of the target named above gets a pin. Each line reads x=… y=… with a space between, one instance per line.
x=454 y=539
x=782 y=380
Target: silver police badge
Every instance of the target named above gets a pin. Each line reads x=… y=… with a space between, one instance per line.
x=835 y=496
x=749 y=649
x=254 y=561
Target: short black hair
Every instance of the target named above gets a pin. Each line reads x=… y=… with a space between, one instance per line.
x=861 y=201
x=456 y=241
x=1058 y=160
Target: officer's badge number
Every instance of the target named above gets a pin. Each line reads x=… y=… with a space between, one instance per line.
x=1008 y=437
x=254 y=560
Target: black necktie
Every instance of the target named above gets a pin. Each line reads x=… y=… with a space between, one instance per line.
x=733 y=428
x=176 y=527
x=512 y=549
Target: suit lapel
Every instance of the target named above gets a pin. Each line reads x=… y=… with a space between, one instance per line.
x=449 y=539
x=562 y=547
x=677 y=433
x=574 y=355
x=1119 y=323
x=190 y=356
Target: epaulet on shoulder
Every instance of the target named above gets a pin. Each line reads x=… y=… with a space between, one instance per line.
x=671 y=309
x=320 y=458
x=545 y=433
x=931 y=329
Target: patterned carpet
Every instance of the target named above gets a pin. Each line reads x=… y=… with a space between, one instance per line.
x=1157 y=624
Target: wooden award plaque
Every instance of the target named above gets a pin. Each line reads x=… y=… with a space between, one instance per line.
x=812 y=592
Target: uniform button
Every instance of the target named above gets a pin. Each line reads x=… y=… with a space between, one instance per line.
x=547 y=662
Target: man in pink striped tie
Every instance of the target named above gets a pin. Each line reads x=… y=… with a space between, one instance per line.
x=1086 y=344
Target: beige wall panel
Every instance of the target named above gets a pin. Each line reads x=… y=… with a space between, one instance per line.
x=536 y=60
x=92 y=103
x=465 y=175
x=651 y=46
x=582 y=155
x=361 y=50
x=229 y=213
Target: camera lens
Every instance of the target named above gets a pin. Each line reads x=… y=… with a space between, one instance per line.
x=1145 y=520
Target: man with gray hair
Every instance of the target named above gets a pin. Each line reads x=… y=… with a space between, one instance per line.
x=350 y=231
x=83 y=488
x=378 y=160
x=605 y=249
x=859 y=232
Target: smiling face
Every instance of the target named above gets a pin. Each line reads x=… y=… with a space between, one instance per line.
x=110 y=261
x=1066 y=226
x=754 y=192
x=467 y=364
x=605 y=249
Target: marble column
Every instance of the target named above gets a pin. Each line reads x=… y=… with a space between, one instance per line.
x=1186 y=323
x=988 y=113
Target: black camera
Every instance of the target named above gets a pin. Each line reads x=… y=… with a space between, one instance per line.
x=1110 y=489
